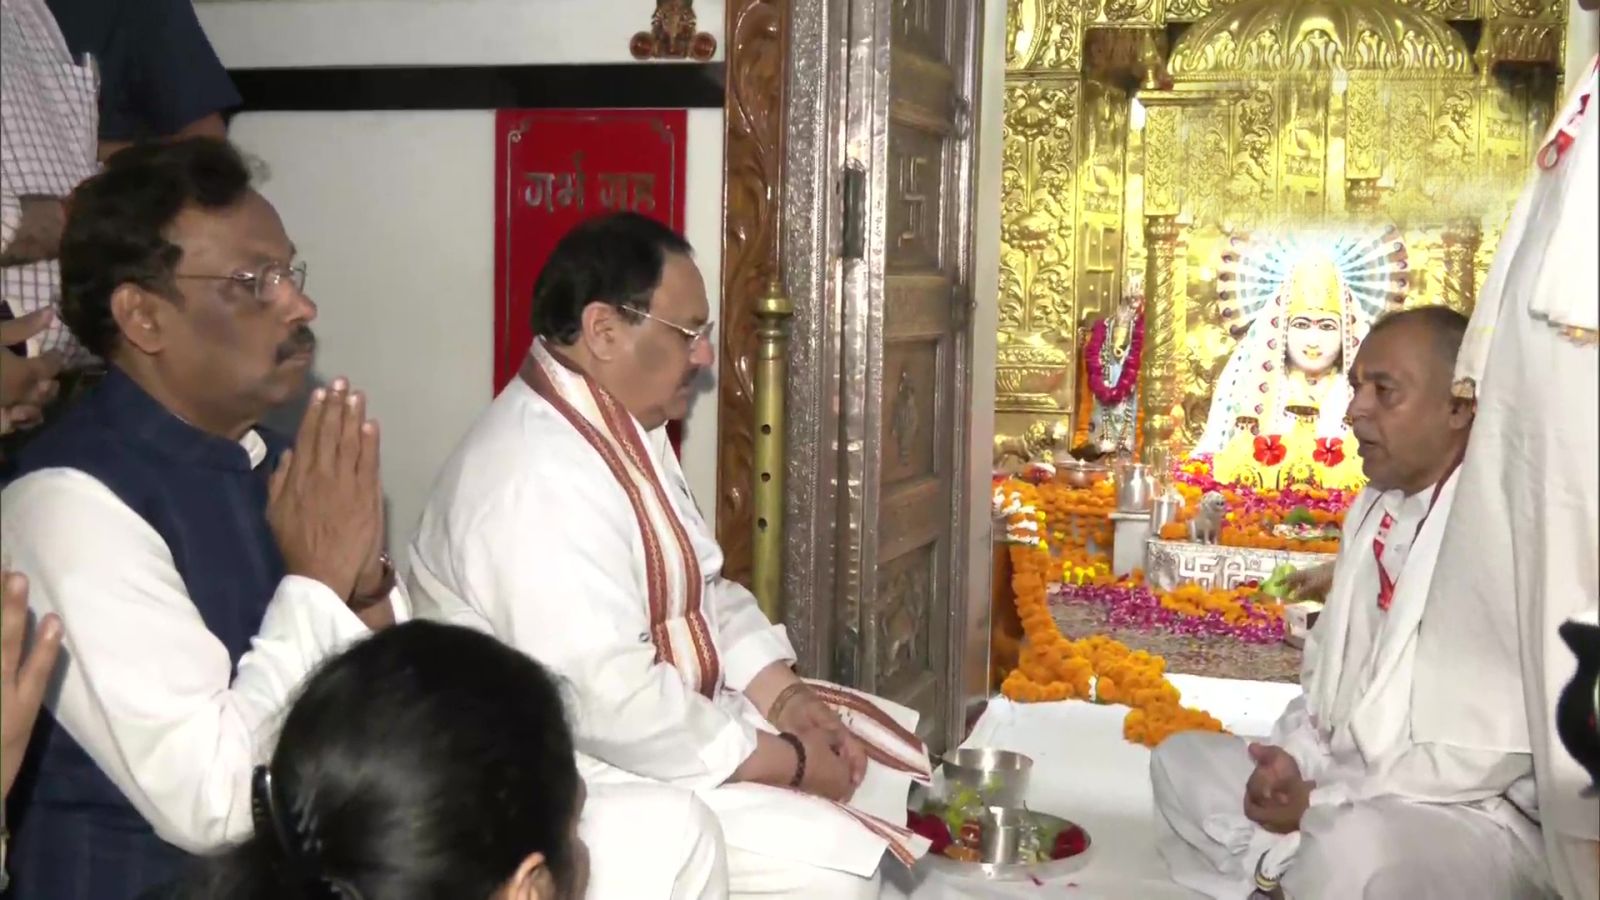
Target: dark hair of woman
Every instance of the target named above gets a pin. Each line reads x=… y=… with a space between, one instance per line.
x=615 y=258
x=426 y=762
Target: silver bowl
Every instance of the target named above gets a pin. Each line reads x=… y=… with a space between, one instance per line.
x=1079 y=474
x=1000 y=777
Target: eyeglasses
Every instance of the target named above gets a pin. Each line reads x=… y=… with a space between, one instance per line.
x=692 y=335
x=264 y=283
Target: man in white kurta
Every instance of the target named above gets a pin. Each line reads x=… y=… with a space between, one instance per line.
x=1343 y=801
x=563 y=525
x=1521 y=554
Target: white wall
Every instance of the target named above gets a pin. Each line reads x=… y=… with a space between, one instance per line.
x=394 y=214
x=270 y=33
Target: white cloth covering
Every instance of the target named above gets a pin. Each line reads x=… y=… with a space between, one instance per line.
x=1382 y=849
x=686 y=858
x=1349 y=732
x=147 y=691
x=531 y=537
x=1522 y=550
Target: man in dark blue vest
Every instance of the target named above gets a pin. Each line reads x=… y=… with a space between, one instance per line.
x=200 y=566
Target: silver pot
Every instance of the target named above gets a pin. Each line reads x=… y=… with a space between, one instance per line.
x=999 y=777
x=1164 y=510
x=1135 y=487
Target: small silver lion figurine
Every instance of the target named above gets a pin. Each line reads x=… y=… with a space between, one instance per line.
x=1206 y=526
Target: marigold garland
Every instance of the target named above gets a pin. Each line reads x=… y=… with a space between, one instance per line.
x=1097 y=669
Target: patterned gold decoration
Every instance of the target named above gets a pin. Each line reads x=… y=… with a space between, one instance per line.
x=1268 y=38
x=1268 y=117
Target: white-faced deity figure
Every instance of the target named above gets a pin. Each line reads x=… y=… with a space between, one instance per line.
x=1301 y=313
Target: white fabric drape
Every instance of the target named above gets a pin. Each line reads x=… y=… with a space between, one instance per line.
x=1522 y=550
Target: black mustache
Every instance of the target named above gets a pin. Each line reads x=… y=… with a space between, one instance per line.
x=302 y=341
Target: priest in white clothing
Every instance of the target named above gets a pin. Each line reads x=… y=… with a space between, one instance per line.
x=1521 y=553
x=1344 y=801
x=564 y=526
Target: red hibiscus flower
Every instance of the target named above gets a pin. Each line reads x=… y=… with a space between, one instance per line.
x=1329 y=452
x=1070 y=842
x=931 y=827
x=1270 y=450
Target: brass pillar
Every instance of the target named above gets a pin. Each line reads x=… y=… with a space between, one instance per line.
x=1159 y=380
x=771 y=384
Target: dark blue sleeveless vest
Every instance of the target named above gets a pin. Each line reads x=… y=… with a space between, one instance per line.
x=76 y=836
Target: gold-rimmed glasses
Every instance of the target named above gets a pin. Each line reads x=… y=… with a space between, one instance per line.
x=692 y=335
x=264 y=282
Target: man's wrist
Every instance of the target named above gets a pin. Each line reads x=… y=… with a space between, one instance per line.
x=785 y=697
x=799 y=749
x=382 y=585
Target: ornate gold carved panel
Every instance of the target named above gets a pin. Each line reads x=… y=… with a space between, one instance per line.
x=1038 y=251
x=1270 y=116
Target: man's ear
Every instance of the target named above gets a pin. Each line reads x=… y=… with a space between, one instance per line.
x=1462 y=412
x=602 y=329
x=532 y=881
x=140 y=316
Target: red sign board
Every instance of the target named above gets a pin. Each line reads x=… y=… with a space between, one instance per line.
x=553 y=169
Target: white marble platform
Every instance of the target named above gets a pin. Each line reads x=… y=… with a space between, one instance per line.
x=1171 y=563
x=1084 y=771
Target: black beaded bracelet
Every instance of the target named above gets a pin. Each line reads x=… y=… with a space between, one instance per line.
x=800 y=757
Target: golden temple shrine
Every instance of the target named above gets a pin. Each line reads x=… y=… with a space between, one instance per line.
x=1261 y=180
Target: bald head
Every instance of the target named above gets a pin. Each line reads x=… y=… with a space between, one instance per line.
x=1438 y=327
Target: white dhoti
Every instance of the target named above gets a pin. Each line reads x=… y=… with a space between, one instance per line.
x=1390 y=816
x=1378 y=849
x=652 y=842
x=1521 y=553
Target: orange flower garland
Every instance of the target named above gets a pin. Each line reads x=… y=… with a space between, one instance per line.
x=1078 y=519
x=1199 y=602
x=1099 y=669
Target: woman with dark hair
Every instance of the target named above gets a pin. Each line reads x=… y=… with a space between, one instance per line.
x=429 y=761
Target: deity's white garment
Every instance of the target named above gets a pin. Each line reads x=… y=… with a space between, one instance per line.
x=1521 y=552
x=1391 y=816
x=531 y=536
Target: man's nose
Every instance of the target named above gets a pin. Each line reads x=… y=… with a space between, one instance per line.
x=302 y=309
x=702 y=354
x=1360 y=403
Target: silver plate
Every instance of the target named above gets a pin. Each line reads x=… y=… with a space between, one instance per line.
x=1048 y=870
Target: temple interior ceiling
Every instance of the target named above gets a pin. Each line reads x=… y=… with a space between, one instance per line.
x=1204 y=152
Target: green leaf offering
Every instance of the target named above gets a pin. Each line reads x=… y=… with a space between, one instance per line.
x=1277 y=586
x=1299 y=516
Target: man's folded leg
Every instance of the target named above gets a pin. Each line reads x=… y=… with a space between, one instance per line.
x=1393 y=848
x=649 y=841
x=1198 y=779
x=767 y=877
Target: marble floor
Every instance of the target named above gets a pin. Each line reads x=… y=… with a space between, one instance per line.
x=1084 y=771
